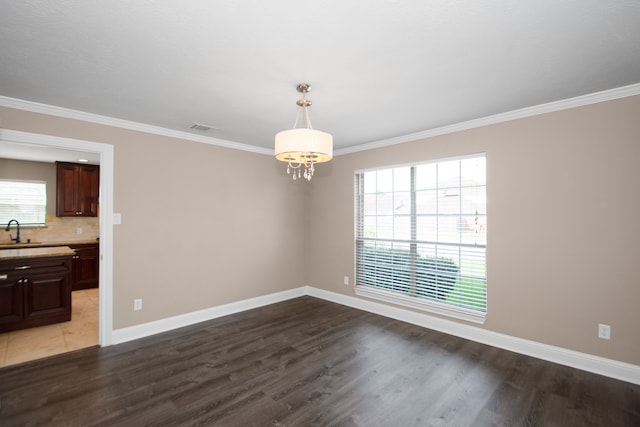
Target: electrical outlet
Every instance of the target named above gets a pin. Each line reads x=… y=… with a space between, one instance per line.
x=137 y=304
x=346 y=280
x=604 y=331
x=79 y=231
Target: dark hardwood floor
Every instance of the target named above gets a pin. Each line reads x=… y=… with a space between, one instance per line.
x=308 y=362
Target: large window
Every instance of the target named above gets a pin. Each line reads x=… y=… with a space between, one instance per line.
x=421 y=236
x=25 y=201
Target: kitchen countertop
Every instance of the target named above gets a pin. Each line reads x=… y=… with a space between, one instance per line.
x=47 y=244
x=6 y=254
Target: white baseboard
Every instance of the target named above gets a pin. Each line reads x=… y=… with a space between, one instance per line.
x=586 y=362
x=175 y=322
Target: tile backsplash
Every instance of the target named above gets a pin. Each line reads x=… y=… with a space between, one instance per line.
x=57 y=230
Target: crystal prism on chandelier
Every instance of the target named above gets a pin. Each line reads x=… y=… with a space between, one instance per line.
x=303 y=147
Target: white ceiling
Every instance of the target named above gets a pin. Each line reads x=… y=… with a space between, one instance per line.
x=379 y=69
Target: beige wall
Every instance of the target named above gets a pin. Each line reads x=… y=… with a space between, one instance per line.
x=57 y=229
x=563 y=223
x=201 y=225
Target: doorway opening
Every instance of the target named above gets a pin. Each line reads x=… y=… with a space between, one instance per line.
x=105 y=153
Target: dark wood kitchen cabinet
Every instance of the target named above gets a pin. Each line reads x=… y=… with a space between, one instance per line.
x=86 y=266
x=77 y=189
x=34 y=292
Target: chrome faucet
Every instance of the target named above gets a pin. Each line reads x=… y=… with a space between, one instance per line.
x=17 y=239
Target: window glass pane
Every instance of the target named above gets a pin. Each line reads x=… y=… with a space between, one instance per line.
x=384 y=181
x=473 y=199
x=370 y=201
x=449 y=229
x=436 y=274
x=449 y=204
x=427 y=250
x=472 y=229
x=25 y=201
x=402 y=179
x=426 y=201
x=473 y=171
x=384 y=203
x=402 y=227
x=426 y=176
x=473 y=263
x=369 y=229
x=427 y=228
x=384 y=226
x=449 y=174
x=370 y=185
x=402 y=203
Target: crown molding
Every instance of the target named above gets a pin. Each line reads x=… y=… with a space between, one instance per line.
x=565 y=104
x=67 y=113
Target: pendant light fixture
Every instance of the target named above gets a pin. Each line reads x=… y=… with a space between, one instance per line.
x=303 y=147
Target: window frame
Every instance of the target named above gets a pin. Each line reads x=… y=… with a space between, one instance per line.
x=400 y=297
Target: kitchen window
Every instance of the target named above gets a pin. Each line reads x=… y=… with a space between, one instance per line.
x=421 y=236
x=25 y=201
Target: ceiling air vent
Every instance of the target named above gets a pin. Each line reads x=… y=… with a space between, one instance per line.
x=201 y=127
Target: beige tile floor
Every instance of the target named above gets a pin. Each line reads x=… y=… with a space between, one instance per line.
x=80 y=332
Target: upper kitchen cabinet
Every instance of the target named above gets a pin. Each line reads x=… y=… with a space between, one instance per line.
x=78 y=188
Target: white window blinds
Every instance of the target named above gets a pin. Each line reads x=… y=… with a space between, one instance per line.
x=25 y=201
x=421 y=235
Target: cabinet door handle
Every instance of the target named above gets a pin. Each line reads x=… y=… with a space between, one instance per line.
x=3 y=276
x=24 y=267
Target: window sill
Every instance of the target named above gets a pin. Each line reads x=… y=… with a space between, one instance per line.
x=421 y=304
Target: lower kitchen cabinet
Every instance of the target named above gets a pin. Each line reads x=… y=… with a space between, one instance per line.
x=11 y=298
x=86 y=266
x=34 y=292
